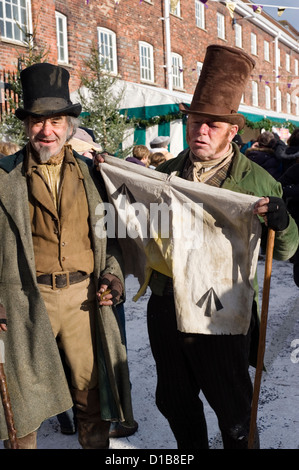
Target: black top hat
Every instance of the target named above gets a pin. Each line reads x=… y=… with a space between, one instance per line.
x=46 y=92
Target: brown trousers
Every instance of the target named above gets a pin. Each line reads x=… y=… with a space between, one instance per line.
x=72 y=315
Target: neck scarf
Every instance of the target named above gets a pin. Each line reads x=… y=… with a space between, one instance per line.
x=202 y=171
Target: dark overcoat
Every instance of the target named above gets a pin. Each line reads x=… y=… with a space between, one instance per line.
x=35 y=377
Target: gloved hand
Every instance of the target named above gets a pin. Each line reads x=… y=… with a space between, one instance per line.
x=277 y=215
x=111 y=282
x=3 y=318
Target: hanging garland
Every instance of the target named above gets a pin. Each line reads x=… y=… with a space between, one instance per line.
x=264 y=123
x=267 y=124
x=156 y=120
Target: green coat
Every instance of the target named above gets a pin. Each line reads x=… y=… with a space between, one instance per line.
x=35 y=377
x=248 y=178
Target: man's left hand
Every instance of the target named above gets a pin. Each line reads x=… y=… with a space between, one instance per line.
x=110 y=290
x=274 y=212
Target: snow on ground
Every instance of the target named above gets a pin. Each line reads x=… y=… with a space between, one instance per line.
x=278 y=412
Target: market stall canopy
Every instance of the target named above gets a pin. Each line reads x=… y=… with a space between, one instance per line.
x=155 y=111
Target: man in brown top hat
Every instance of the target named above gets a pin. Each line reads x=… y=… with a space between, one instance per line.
x=217 y=365
x=214 y=364
x=56 y=268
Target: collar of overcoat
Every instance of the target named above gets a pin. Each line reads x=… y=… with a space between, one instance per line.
x=13 y=196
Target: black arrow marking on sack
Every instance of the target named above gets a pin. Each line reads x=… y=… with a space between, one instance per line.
x=123 y=190
x=207 y=298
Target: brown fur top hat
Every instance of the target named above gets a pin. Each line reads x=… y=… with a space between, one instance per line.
x=221 y=84
x=46 y=92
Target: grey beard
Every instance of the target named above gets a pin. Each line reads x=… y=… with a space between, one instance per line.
x=45 y=154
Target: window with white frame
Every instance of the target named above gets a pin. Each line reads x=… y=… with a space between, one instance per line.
x=267 y=51
x=175 y=7
x=297 y=105
x=15 y=19
x=238 y=35
x=220 y=26
x=61 y=35
x=177 y=71
x=288 y=62
x=146 y=56
x=278 y=100
x=267 y=97
x=253 y=44
x=107 y=50
x=296 y=66
x=289 y=105
x=200 y=14
x=255 y=98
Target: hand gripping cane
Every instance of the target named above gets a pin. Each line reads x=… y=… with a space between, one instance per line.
x=262 y=336
x=12 y=435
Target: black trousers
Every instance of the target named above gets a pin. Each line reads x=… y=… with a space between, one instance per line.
x=186 y=364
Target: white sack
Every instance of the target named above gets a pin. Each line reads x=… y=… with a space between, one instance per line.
x=211 y=255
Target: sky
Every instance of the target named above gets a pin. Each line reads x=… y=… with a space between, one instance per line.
x=290 y=14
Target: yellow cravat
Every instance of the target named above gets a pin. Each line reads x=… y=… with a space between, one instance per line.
x=51 y=171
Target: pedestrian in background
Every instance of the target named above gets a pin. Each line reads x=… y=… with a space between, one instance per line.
x=160 y=144
x=263 y=153
x=290 y=184
x=8 y=148
x=140 y=156
x=156 y=159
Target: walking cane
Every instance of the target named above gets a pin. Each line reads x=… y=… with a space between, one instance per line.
x=12 y=435
x=262 y=336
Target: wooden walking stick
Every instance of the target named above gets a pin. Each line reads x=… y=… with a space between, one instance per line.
x=262 y=336
x=12 y=435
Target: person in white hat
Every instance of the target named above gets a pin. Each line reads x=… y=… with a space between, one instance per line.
x=160 y=144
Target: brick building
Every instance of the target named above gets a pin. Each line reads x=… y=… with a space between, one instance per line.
x=157 y=48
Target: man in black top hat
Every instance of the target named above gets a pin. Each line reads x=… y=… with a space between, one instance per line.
x=56 y=270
